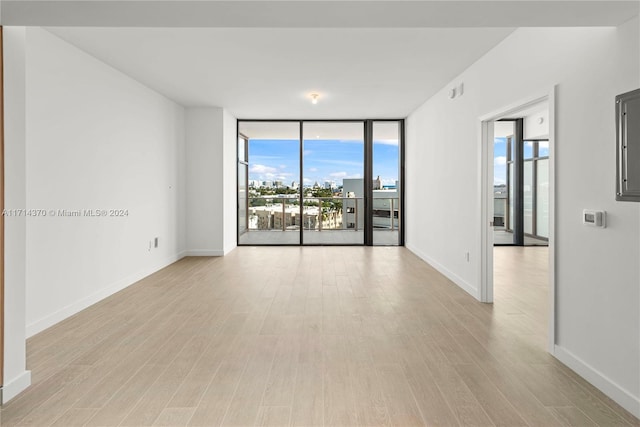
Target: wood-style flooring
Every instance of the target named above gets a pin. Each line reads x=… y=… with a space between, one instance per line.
x=278 y=336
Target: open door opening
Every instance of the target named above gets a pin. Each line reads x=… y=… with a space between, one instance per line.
x=517 y=194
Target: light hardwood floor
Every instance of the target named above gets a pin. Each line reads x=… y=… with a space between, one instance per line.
x=310 y=336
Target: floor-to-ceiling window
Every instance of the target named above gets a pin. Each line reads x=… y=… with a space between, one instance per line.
x=386 y=212
x=269 y=185
x=320 y=182
x=521 y=186
x=536 y=191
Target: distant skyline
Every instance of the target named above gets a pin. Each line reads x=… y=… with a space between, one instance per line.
x=324 y=160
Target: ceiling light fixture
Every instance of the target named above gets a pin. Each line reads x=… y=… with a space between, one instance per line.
x=314 y=98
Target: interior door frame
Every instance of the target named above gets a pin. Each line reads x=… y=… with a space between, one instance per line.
x=486 y=192
x=1 y=210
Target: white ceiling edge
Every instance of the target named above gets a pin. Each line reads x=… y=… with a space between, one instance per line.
x=317 y=14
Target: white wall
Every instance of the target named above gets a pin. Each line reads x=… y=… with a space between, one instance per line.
x=204 y=157
x=533 y=128
x=83 y=136
x=96 y=139
x=211 y=181
x=16 y=377
x=229 y=181
x=597 y=278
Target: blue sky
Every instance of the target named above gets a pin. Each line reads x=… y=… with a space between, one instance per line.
x=324 y=160
x=499 y=161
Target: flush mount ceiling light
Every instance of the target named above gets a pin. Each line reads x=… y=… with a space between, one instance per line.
x=314 y=98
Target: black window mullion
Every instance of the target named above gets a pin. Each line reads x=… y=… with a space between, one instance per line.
x=301 y=185
x=518 y=174
x=368 y=183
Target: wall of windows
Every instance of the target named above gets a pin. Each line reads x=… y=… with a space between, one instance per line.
x=320 y=182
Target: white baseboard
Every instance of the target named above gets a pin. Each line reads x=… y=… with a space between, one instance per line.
x=14 y=387
x=473 y=291
x=621 y=396
x=73 y=308
x=205 y=252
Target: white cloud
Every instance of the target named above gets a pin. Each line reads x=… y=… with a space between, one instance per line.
x=313 y=169
x=263 y=169
x=500 y=160
x=498 y=181
x=338 y=175
x=499 y=174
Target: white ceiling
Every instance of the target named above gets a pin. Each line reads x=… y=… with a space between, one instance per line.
x=269 y=73
x=262 y=59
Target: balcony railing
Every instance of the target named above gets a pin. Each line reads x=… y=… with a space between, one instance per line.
x=386 y=213
x=319 y=213
x=500 y=212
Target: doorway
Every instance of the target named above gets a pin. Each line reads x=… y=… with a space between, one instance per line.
x=518 y=197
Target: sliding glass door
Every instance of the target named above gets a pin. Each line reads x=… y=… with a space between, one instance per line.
x=333 y=195
x=319 y=182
